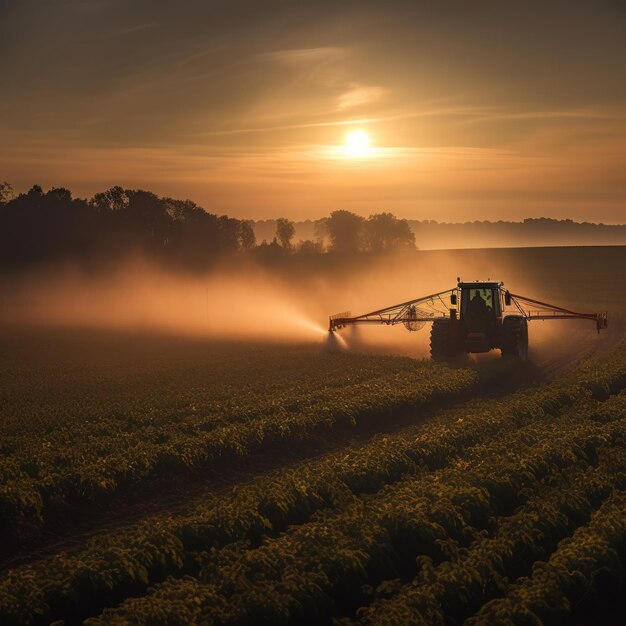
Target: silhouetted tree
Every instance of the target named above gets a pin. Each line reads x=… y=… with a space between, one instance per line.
x=308 y=246
x=37 y=226
x=229 y=233
x=43 y=227
x=59 y=194
x=247 y=238
x=384 y=231
x=113 y=199
x=345 y=230
x=320 y=231
x=271 y=254
x=146 y=220
x=197 y=238
x=285 y=231
x=6 y=192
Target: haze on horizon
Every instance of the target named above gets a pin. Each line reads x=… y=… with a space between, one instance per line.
x=473 y=110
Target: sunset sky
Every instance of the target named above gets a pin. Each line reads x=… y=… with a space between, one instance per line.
x=467 y=110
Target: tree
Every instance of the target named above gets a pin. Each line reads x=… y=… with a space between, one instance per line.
x=6 y=192
x=247 y=238
x=35 y=193
x=113 y=199
x=59 y=194
x=197 y=240
x=180 y=210
x=229 y=234
x=146 y=220
x=320 y=232
x=285 y=231
x=308 y=246
x=384 y=231
x=345 y=230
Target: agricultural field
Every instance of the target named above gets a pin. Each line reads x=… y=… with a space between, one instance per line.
x=192 y=481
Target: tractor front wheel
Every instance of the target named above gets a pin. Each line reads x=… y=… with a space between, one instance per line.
x=514 y=340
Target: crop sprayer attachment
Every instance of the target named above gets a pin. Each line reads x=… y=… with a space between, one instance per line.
x=472 y=317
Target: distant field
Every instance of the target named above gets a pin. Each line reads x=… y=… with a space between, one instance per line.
x=153 y=479
x=584 y=276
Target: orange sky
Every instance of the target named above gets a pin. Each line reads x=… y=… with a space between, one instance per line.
x=474 y=110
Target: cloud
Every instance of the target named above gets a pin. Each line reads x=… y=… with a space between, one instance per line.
x=303 y=55
x=131 y=30
x=600 y=113
x=359 y=95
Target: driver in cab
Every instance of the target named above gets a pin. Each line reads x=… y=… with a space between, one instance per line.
x=478 y=308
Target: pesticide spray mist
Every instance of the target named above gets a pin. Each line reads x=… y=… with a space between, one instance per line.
x=246 y=305
x=253 y=303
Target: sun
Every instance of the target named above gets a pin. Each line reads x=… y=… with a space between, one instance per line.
x=357 y=143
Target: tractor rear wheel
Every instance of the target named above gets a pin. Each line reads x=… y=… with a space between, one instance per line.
x=440 y=341
x=514 y=340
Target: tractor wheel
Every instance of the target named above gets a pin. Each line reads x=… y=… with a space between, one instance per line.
x=440 y=344
x=514 y=341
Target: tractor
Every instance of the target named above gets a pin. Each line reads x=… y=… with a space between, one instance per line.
x=472 y=317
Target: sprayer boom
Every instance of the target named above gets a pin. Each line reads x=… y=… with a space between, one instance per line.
x=537 y=310
x=471 y=317
x=420 y=310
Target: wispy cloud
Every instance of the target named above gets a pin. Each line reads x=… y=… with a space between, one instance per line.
x=303 y=55
x=574 y=113
x=359 y=95
x=427 y=111
x=130 y=30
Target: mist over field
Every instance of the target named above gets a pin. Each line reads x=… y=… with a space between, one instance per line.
x=129 y=259
x=253 y=302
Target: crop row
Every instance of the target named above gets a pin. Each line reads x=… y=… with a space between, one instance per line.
x=320 y=566
x=116 y=565
x=98 y=458
x=217 y=385
x=450 y=590
x=592 y=559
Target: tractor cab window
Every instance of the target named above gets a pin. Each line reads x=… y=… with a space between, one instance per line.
x=478 y=303
x=486 y=295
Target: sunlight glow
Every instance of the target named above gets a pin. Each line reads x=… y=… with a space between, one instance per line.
x=357 y=144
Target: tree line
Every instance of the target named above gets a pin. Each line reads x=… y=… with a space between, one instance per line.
x=50 y=226
x=540 y=231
